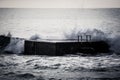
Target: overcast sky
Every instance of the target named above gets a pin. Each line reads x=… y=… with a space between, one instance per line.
x=59 y=3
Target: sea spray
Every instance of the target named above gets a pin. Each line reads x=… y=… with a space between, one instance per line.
x=115 y=44
x=16 y=46
x=97 y=35
x=35 y=37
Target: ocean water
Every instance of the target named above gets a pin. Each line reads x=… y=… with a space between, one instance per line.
x=68 y=67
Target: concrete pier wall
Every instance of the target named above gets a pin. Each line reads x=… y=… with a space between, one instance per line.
x=61 y=48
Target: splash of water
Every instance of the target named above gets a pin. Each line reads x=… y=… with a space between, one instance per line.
x=115 y=44
x=35 y=37
x=98 y=35
x=16 y=45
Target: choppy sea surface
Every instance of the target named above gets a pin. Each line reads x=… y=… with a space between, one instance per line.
x=69 y=67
